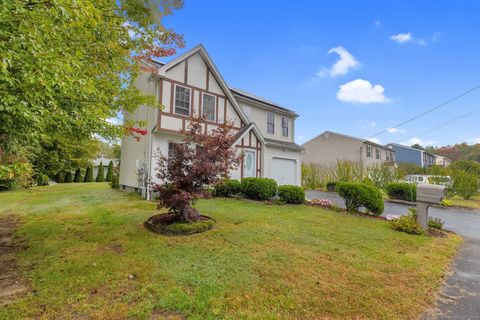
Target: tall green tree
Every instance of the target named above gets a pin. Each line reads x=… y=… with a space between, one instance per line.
x=89 y=174
x=68 y=177
x=109 y=172
x=78 y=175
x=100 y=173
x=68 y=66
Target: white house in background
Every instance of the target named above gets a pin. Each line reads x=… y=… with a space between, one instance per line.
x=191 y=85
x=105 y=162
x=442 y=161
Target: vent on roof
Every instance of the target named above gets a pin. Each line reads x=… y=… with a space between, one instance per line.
x=326 y=136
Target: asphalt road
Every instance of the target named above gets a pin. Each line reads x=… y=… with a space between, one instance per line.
x=460 y=296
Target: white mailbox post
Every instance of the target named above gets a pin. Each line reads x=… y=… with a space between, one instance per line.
x=427 y=194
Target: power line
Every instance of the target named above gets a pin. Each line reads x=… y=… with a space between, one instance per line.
x=465 y=115
x=429 y=110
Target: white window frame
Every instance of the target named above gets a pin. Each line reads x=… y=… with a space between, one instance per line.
x=175 y=101
x=285 y=126
x=171 y=153
x=273 y=124
x=378 y=154
x=214 y=106
x=369 y=151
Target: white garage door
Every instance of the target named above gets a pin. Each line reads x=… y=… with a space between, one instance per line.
x=284 y=171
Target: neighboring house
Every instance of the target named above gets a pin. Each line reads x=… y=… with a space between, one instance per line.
x=105 y=162
x=407 y=154
x=442 y=161
x=191 y=85
x=331 y=147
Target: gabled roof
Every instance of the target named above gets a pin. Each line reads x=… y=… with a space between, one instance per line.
x=200 y=49
x=407 y=147
x=251 y=96
x=348 y=137
x=243 y=132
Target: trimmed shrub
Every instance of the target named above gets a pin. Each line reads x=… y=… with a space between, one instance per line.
x=115 y=184
x=402 y=191
x=407 y=224
x=88 y=175
x=291 y=194
x=259 y=188
x=42 y=180
x=59 y=177
x=100 y=173
x=68 y=177
x=358 y=195
x=228 y=188
x=331 y=186
x=109 y=172
x=78 y=175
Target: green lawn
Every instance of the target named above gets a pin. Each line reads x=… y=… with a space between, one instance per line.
x=472 y=203
x=260 y=261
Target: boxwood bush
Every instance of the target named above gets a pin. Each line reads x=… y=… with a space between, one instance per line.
x=259 y=188
x=291 y=194
x=402 y=191
x=358 y=195
x=228 y=188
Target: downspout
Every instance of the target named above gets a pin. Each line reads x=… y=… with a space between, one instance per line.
x=149 y=194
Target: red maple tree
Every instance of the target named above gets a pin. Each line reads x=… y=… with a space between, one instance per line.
x=202 y=159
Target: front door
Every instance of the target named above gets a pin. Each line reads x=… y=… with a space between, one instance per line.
x=249 y=164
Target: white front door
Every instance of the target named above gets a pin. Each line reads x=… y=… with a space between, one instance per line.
x=249 y=164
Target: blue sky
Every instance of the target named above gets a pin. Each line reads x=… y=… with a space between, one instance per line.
x=356 y=67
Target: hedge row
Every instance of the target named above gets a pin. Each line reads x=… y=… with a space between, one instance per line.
x=358 y=195
x=260 y=189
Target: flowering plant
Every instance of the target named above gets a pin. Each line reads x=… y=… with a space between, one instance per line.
x=325 y=203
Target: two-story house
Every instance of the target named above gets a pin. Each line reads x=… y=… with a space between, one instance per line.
x=330 y=147
x=407 y=154
x=191 y=86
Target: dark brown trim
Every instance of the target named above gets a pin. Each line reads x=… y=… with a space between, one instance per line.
x=200 y=104
x=224 y=110
x=183 y=124
x=172 y=98
x=216 y=109
x=243 y=157
x=193 y=87
x=186 y=72
x=160 y=101
x=245 y=147
x=169 y=131
x=208 y=79
x=178 y=116
x=250 y=138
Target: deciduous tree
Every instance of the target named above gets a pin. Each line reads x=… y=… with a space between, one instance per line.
x=201 y=160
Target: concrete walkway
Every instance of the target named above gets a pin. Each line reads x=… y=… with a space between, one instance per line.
x=460 y=296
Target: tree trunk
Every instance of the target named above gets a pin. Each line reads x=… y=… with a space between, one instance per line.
x=189 y=214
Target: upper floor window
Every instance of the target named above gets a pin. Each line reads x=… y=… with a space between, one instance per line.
x=182 y=100
x=270 y=122
x=369 y=151
x=285 y=126
x=209 y=105
x=377 y=153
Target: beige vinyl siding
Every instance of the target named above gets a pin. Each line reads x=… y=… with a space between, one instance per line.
x=326 y=151
x=131 y=149
x=259 y=116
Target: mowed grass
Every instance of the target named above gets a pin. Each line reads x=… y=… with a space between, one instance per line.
x=472 y=203
x=89 y=256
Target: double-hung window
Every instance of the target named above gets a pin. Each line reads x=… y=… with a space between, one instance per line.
x=270 y=122
x=209 y=105
x=377 y=153
x=182 y=100
x=285 y=126
x=369 y=151
x=172 y=152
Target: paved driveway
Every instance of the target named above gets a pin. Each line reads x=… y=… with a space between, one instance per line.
x=460 y=296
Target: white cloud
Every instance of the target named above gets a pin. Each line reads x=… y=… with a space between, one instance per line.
x=395 y=130
x=361 y=91
x=373 y=124
x=374 y=140
x=402 y=37
x=377 y=23
x=346 y=62
x=421 y=142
